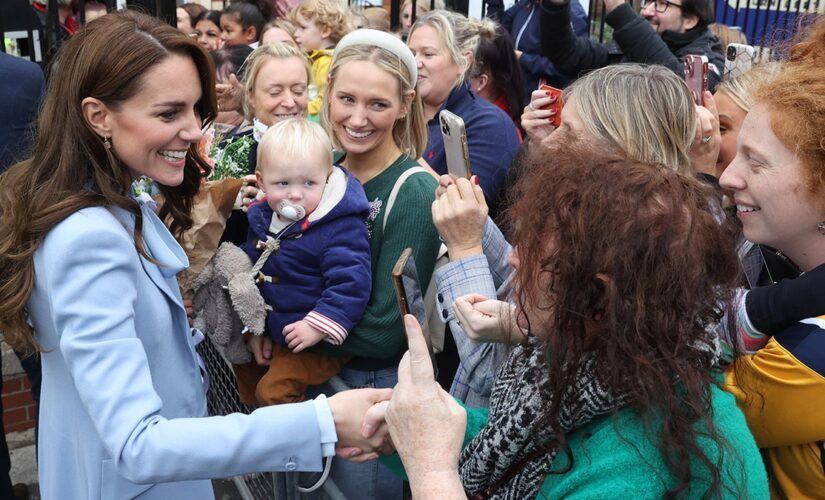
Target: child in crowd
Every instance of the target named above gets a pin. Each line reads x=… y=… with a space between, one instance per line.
x=241 y=23
x=319 y=25
x=311 y=234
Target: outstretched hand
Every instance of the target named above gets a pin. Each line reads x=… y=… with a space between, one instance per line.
x=348 y=411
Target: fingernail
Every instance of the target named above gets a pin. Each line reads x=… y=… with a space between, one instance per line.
x=354 y=453
x=367 y=430
x=547 y=93
x=475 y=180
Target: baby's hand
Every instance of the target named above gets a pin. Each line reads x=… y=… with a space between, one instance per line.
x=301 y=335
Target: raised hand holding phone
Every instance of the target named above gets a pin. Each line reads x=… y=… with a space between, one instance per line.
x=555 y=105
x=537 y=117
x=426 y=424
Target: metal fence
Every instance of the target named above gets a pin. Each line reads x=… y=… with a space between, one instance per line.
x=223 y=399
x=764 y=22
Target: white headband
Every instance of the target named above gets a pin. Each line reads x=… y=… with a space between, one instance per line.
x=381 y=39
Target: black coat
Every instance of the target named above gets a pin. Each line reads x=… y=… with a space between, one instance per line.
x=634 y=40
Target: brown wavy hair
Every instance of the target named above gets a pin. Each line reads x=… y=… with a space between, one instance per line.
x=627 y=263
x=70 y=168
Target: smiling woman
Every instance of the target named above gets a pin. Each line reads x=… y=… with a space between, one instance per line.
x=275 y=79
x=373 y=114
x=444 y=44
x=87 y=275
x=778 y=180
x=152 y=132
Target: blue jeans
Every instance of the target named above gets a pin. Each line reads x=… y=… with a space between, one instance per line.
x=370 y=480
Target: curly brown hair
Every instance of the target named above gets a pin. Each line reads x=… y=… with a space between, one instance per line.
x=70 y=168
x=628 y=263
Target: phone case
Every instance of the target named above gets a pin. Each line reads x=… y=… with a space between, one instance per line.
x=696 y=76
x=411 y=297
x=557 y=105
x=739 y=59
x=455 y=144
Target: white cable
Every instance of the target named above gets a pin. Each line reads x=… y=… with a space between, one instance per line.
x=327 y=467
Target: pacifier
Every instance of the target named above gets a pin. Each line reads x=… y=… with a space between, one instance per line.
x=291 y=211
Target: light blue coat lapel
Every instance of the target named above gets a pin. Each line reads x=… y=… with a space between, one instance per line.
x=161 y=246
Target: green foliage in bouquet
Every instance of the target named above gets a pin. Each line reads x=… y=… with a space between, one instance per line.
x=231 y=157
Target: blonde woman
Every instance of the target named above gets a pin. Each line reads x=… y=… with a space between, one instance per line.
x=734 y=101
x=374 y=116
x=275 y=88
x=644 y=112
x=444 y=44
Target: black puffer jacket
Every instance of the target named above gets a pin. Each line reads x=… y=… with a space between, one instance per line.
x=634 y=40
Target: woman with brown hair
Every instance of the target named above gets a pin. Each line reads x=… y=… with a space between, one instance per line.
x=620 y=272
x=87 y=276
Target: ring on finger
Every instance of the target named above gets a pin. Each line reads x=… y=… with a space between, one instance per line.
x=706 y=139
x=532 y=108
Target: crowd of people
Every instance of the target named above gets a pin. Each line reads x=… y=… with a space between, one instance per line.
x=629 y=280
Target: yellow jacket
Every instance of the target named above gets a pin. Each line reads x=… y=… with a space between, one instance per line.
x=781 y=390
x=321 y=61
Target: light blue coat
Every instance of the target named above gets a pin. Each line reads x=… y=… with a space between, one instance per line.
x=122 y=390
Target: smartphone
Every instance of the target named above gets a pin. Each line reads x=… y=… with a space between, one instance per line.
x=556 y=105
x=696 y=76
x=455 y=144
x=410 y=296
x=739 y=59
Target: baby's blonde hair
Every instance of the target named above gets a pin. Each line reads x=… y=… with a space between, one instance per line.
x=293 y=138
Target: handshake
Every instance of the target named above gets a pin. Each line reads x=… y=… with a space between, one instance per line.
x=417 y=418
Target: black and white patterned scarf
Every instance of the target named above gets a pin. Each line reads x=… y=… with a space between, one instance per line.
x=517 y=403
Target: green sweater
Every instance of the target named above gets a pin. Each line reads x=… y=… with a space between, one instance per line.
x=618 y=458
x=378 y=340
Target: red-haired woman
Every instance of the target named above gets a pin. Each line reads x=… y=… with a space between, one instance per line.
x=778 y=182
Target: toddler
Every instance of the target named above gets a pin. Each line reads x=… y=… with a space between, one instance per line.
x=319 y=25
x=316 y=276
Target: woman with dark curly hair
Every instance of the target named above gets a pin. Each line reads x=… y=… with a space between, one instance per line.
x=614 y=390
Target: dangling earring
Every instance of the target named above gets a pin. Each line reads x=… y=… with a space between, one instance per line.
x=821 y=227
x=106 y=143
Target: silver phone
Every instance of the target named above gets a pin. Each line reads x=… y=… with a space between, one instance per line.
x=455 y=144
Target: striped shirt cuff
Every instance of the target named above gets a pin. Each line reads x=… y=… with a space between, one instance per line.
x=336 y=334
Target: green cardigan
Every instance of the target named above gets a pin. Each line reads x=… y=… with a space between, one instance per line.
x=378 y=340
x=618 y=458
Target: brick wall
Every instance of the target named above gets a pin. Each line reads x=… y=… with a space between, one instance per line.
x=19 y=410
